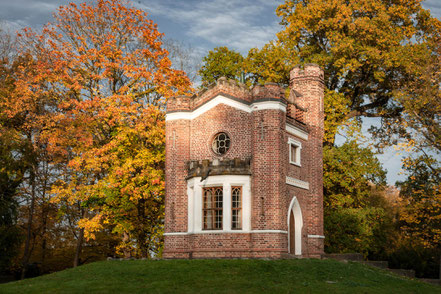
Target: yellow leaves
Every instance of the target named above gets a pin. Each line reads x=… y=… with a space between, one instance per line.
x=336 y=108
x=91 y=226
x=105 y=123
x=406 y=146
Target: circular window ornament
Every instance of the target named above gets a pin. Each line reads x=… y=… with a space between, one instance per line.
x=221 y=143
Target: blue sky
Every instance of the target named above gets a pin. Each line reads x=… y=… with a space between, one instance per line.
x=203 y=25
x=238 y=24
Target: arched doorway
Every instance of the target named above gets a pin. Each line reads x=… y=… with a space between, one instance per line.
x=295 y=225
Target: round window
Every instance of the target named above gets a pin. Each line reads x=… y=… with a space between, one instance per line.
x=221 y=143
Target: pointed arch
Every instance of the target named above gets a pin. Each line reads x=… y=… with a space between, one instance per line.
x=294 y=208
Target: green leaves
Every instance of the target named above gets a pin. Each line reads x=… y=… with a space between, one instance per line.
x=221 y=62
x=420 y=218
x=357 y=216
x=349 y=173
x=367 y=48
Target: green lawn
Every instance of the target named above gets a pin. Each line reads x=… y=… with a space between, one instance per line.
x=220 y=276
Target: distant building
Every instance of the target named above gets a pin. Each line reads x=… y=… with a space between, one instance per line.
x=244 y=170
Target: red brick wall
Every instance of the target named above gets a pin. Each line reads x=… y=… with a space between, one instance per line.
x=268 y=177
x=309 y=82
x=237 y=245
x=222 y=118
x=261 y=136
x=177 y=153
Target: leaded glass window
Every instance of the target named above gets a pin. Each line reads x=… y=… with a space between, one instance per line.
x=212 y=209
x=221 y=143
x=236 y=208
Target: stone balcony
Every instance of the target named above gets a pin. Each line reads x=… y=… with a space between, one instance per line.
x=206 y=168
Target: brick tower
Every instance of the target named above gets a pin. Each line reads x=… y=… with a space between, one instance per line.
x=244 y=170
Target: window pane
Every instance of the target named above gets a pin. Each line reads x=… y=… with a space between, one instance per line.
x=208 y=220
x=236 y=208
x=212 y=208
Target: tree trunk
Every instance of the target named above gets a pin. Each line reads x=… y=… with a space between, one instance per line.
x=44 y=214
x=440 y=266
x=43 y=233
x=27 y=251
x=126 y=250
x=76 y=261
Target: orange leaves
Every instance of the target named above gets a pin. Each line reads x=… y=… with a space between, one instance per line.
x=94 y=97
x=109 y=77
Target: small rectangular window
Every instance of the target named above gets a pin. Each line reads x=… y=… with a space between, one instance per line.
x=236 y=208
x=295 y=148
x=212 y=209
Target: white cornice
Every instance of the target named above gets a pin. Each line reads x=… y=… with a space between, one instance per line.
x=316 y=236
x=177 y=115
x=297 y=183
x=227 y=101
x=296 y=132
x=268 y=105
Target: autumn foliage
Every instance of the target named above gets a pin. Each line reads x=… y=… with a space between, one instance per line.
x=381 y=60
x=91 y=93
x=82 y=124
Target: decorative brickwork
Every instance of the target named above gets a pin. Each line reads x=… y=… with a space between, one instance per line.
x=281 y=203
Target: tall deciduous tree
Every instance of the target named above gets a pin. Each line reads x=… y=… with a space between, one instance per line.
x=357 y=216
x=420 y=216
x=420 y=96
x=184 y=57
x=365 y=47
x=105 y=66
x=419 y=132
x=421 y=197
x=221 y=62
x=23 y=117
x=11 y=176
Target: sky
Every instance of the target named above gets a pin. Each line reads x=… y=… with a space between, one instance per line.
x=201 y=25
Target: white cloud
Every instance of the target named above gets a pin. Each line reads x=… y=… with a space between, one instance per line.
x=25 y=13
x=434 y=6
x=240 y=25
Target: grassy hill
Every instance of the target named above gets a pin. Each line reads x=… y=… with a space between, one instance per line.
x=220 y=276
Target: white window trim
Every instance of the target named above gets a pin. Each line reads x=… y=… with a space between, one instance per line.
x=297 y=144
x=195 y=202
x=296 y=132
x=297 y=183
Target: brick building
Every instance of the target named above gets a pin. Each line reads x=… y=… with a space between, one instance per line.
x=244 y=170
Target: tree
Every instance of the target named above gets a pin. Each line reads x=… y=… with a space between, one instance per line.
x=12 y=168
x=420 y=96
x=365 y=47
x=105 y=66
x=221 y=62
x=358 y=218
x=421 y=196
x=184 y=58
x=349 y=172
x=418 y=132
x=23 y=116
x=420 y=216
x=11 y=176
x=269 y=64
